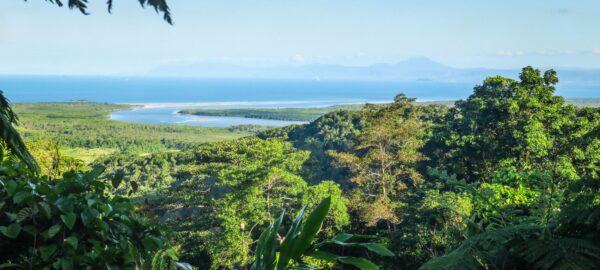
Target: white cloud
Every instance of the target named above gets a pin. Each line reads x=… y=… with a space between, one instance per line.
x=509 y=53
x=298 y=58
x=503 y=53
x=596 y=50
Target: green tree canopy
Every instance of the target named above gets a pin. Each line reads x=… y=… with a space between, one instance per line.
x=507 y=123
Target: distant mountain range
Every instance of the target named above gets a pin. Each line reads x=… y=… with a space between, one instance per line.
x=413 y=69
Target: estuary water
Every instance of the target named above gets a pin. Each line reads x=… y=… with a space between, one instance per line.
x=164 y=97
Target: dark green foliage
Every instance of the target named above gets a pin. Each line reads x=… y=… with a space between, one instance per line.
x=220 y=196
x=250 y=129
x=230 y=191
x=150 y=174
x=568 y=242
x=81 y=5
x=333 y=131
x=71 y=223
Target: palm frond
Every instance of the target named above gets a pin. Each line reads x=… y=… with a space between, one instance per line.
x=9 y=136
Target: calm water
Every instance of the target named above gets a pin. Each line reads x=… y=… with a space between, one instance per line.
x=169 y=115
x=231 y=93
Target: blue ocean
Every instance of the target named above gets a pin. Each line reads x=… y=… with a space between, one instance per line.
x=179 y=93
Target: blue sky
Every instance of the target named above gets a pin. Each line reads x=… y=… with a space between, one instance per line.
x=37 y=38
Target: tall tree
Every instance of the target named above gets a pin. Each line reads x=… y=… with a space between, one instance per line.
x=383 y=161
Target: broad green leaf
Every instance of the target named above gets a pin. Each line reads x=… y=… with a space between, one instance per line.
x=21 y=196
x=31 y=230
x=266 y=249
x=11 y=216
x=52 y=231
x=65 y=205
x=300 y=236
x=360 y=263
x=342 y=237
x=12 y=231
x=183 y=266
x=11 y=187
x=149 y=244
x=90 y=202
x=323 y=256
x=94 y=173
x=10 y=266
x=72 y=241
x=67 y=264
x=311 y=227
x=377 y=248
x=157 y=241
x=117 y=178
x=46 y=209
x=134 y=186
x=89 y=216
x=47 y=251
x=171 y=253
x=290 y=237
x=106 y=208
x=69 y=220
x=374 y=247
x=133 y=252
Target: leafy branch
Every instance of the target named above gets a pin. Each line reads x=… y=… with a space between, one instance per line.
x=160 y=6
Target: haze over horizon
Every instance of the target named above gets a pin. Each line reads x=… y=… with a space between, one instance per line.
x=36 y=38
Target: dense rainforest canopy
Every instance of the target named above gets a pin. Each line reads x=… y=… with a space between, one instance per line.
x=506 y=179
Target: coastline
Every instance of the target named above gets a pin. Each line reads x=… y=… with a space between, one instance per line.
x=275 y=104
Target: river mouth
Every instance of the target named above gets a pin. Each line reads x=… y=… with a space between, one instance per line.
x=168 y=113
x=171 y=116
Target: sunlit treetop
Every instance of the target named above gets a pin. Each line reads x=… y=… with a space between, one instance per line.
x=159 y=5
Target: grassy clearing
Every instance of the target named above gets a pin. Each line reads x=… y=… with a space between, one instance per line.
x=87 y=155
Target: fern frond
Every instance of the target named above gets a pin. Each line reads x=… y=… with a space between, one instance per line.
x=560 y=254
x=477 y=251
x=466 y=257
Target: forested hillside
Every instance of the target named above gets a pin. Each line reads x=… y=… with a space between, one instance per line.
x=506 y=179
